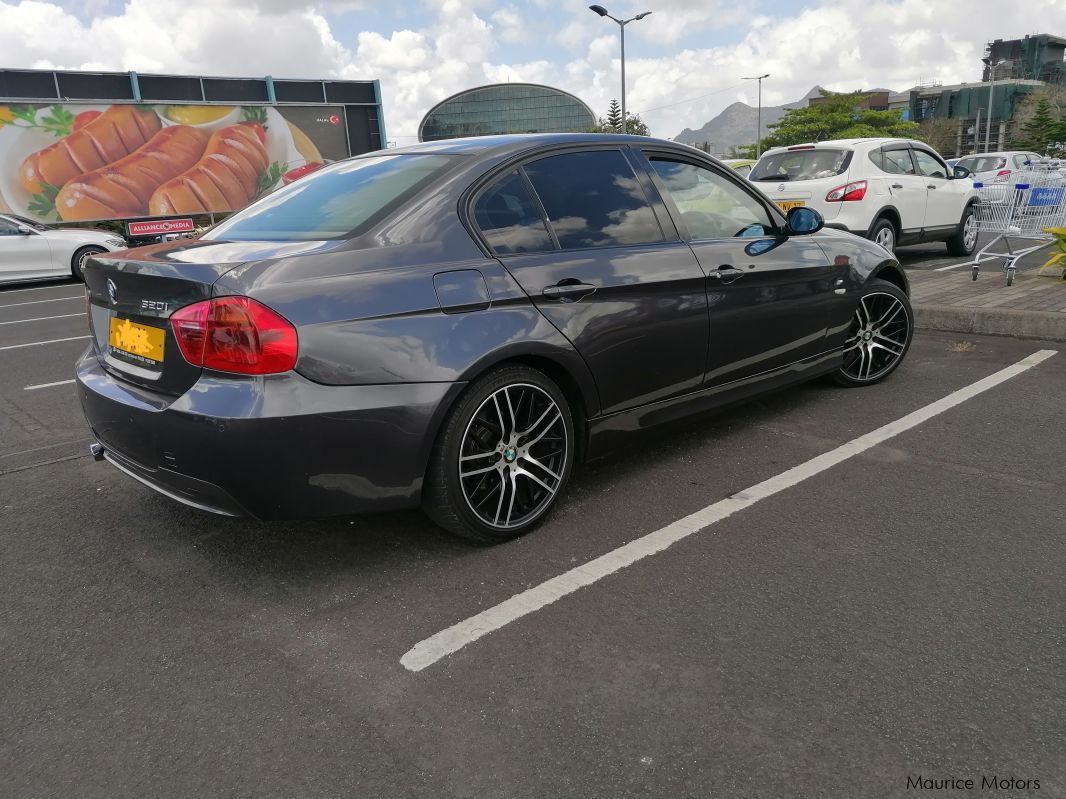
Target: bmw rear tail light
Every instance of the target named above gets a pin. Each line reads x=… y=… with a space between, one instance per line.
x=1001 y=176
x=235 y=334
x=847 y=192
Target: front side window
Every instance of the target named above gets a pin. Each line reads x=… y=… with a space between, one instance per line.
x=593 y=199
x=711 y=206
x=334 y=202
x=929 y=166
x=509 y=219
x=8 y=228
x=897 y=162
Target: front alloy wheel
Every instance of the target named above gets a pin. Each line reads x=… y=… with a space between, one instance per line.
x=504 y=456
x=879 y=335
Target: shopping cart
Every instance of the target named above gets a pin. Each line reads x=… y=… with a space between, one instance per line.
x=1019 y=213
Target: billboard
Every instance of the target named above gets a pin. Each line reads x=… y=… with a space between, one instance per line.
x=67 y=162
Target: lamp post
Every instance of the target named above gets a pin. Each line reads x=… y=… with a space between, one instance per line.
x=758 y=124
x=991 y=87
x=622 y=28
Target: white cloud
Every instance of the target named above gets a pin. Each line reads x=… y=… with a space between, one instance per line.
x=450 y=45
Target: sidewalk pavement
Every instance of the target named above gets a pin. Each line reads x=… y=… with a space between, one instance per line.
x=1034 y=307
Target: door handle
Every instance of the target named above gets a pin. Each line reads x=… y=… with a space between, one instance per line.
x=568 y=290
x=727 y=272
x=930 y=186
x=897 y=185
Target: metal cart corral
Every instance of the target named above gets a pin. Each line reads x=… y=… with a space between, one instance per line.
x=1019 y=213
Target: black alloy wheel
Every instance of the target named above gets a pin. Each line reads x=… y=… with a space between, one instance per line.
x=503 y=457
x=879 y=336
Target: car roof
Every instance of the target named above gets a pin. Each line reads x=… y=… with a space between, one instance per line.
x=838 y=143
x=518 y=142
x=999 y=153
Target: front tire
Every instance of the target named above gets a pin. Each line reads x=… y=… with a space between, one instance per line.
x=964 y=242
x=879 y=336
x=79 y=259
x=503 y=456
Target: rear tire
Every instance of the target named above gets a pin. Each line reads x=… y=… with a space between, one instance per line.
x=879 y=336
x=79 y=259
x=964 y=242
x=503 y=457
x=884 y=233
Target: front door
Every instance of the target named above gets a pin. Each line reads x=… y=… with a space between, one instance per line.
x=578 y=233
x=944 y=204
x=768 y=295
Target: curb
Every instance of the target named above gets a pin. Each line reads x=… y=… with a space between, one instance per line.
x=991 y=321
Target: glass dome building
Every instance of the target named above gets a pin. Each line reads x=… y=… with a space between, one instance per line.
x=506 y=108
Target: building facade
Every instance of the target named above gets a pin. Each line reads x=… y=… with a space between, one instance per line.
x=506 y=108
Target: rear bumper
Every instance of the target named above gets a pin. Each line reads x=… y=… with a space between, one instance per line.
x=280 y=447
x=846 y=229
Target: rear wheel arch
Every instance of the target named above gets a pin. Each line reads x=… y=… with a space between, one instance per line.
x=892 y=215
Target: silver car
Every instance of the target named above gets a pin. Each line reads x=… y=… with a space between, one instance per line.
x=990 y=168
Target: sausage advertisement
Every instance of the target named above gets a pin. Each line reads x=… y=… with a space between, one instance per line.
x=69 y=162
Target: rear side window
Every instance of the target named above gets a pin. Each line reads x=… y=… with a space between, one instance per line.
x=593 y=199
x=509 y=218
x=897 y=162
x=336 y=201
x=802 y=165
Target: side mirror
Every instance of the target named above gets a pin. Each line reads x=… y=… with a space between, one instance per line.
x=959 y=172
x=24 y=231
x=803 y=221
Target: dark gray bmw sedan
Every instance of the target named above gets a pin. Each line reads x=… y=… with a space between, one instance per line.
x=456 y=324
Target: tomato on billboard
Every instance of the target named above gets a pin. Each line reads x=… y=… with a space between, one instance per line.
x=69 y=162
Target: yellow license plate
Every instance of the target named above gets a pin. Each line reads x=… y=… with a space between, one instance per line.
x=788 y=205
x=141 y=341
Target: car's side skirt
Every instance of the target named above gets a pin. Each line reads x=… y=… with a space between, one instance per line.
x=607 y=433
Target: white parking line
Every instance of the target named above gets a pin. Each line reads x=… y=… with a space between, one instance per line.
x=429 y=651
x=37 y=288
x=48 y=385
x=43 y=318
x=41 y=343
x=952 y=266
x=38 y=302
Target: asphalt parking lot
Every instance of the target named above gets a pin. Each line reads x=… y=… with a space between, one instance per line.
x=899 y=613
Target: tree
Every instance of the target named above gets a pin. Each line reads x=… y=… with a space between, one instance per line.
x=941 y=134
x=614 y=116
x=1039 y=129
x=839 y=116
x=634 y=124
x=1055 y=98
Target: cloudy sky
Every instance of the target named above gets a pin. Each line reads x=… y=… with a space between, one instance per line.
x=684 y=63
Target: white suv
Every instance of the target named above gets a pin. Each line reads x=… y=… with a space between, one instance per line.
x=892 y=191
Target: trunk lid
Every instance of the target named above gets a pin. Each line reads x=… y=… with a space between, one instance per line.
x=132 y=295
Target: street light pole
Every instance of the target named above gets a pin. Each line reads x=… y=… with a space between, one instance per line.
x=991 y=88
x=758 y=123
x=622 y=28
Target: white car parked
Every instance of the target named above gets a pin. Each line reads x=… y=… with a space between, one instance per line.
x=33 y=251
x=990 y=168
x=892 y=191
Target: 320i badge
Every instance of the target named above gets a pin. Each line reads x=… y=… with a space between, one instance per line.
x=456 y=324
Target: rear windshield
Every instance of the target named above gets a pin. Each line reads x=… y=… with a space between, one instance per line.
x=801 y=165
x=334 y=202
x=983 y=163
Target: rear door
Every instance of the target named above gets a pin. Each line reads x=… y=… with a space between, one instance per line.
x=23 y=256
x=906 y=187
x=768 y=295
x=578 y=232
